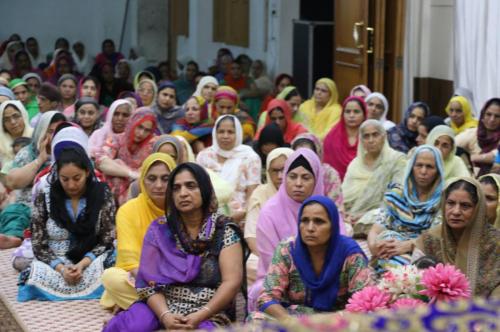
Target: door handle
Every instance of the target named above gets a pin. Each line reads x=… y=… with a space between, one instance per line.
x=356 y=33
x=371 y=34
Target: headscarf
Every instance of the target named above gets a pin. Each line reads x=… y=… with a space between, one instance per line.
x=338 y=152
x=125 y=152
x=67 y=77
x=17 y=82
x=285 y=92
x=167 y=117
x=400 y=137
x=464 y=92
x=235 y=156
x=453 y=165
x=387 y=124
x=478 y=244
x=99 y=136
x=41 y=130
x=5 y=91
x=495 y=178
x=226 y=92
x=404 y=207
x=130 y=94
x=135 y=216
x=292 y=129
x=487 y=141
x=6 y=152
x=188 y=149
x=200 y=130
x=469 y=121
x=155 y=90
x=141 y=73
x=175 y=142
x=320 y=123
x=85 y=79
x=363 y=88
x=83 y=231
x=72 y=135
x=376 y=177
x=322 y=290
x=265 y=191
x=162 y=262
x=204 y=81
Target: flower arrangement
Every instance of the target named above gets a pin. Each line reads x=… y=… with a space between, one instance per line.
x=408 y=287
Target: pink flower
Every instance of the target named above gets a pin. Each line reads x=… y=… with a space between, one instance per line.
x=445 y=283
x=368 y=299
x=406 y=303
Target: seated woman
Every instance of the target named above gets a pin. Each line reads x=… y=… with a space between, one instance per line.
x=316 y=271
x=132 y=221
x=235 y=162
x=147 y=91
x=341 y=143
x=275 y=164
x=460 y=112
x=408 y=210
x=377 y=106
x=323 y=111
x=443 y=138
x=67 y=84
x=206 y=88
x=87 y=115
x=403 y=137
x=482 y=142
x=279 y=112
x=490 y=184
x=465 y=238
x=195 y=126
x=375 y=167
x=116 y=121
x=15 y=124
x=27 y=163
x=303 y=178
x=72 y=228
x=191 y=265
x=121 y=158
x=331 y=178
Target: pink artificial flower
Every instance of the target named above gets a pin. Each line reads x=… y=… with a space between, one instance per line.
x=406 y=303
x=368 y=299
x=445 y=283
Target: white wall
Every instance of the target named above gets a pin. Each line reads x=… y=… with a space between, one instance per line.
x=90 y=21
x=278 y=55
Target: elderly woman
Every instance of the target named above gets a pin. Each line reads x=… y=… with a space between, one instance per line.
x=195 y=126
x=460 y=112
x=378 y=107
x=322 y=112
x=408 y=210
x=316 y=271
x=72 y=232
x=303 y=178
x=275 y=164
x=147 y=90
x=375 y=167
x=465 y=238
x=113 y=128
x=482 y=142
x=403 y=136
x=191 y=264
x=15 y=124
x=341 y=143
x=132 y=222
x=490 y=184
x=121 y=158
x=443 y=138
x=207 y=88
x=233 y=161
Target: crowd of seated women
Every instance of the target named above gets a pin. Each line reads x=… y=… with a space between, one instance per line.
x=166 y=198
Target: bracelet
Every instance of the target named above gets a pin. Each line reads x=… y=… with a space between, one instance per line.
x=207 y=309
x=164 y=313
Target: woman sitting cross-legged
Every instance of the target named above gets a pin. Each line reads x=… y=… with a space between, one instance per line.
x=408 y=210
x=132 y=221
x=316 y=271
x=73 y=226
x=465 y=238
x=191 y=264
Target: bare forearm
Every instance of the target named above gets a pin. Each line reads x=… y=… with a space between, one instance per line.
x=372 y=237
x=19 y=178
x=277 y=311
x=112 y=168
x=223 y=296
x=252 y=244
x=158 y=304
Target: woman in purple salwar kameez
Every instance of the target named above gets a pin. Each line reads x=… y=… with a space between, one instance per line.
x=191 y=264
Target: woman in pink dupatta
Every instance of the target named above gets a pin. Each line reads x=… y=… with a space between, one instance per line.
x=122 y=158
x=277 y=219
x=113 y=128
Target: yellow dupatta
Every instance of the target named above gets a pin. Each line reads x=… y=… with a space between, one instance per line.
x=469 y=121
x=134 y=217
x=320 y=123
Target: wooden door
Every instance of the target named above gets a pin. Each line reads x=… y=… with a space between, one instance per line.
x=351 y=44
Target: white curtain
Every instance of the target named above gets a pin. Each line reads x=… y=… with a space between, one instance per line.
x=477 y=48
